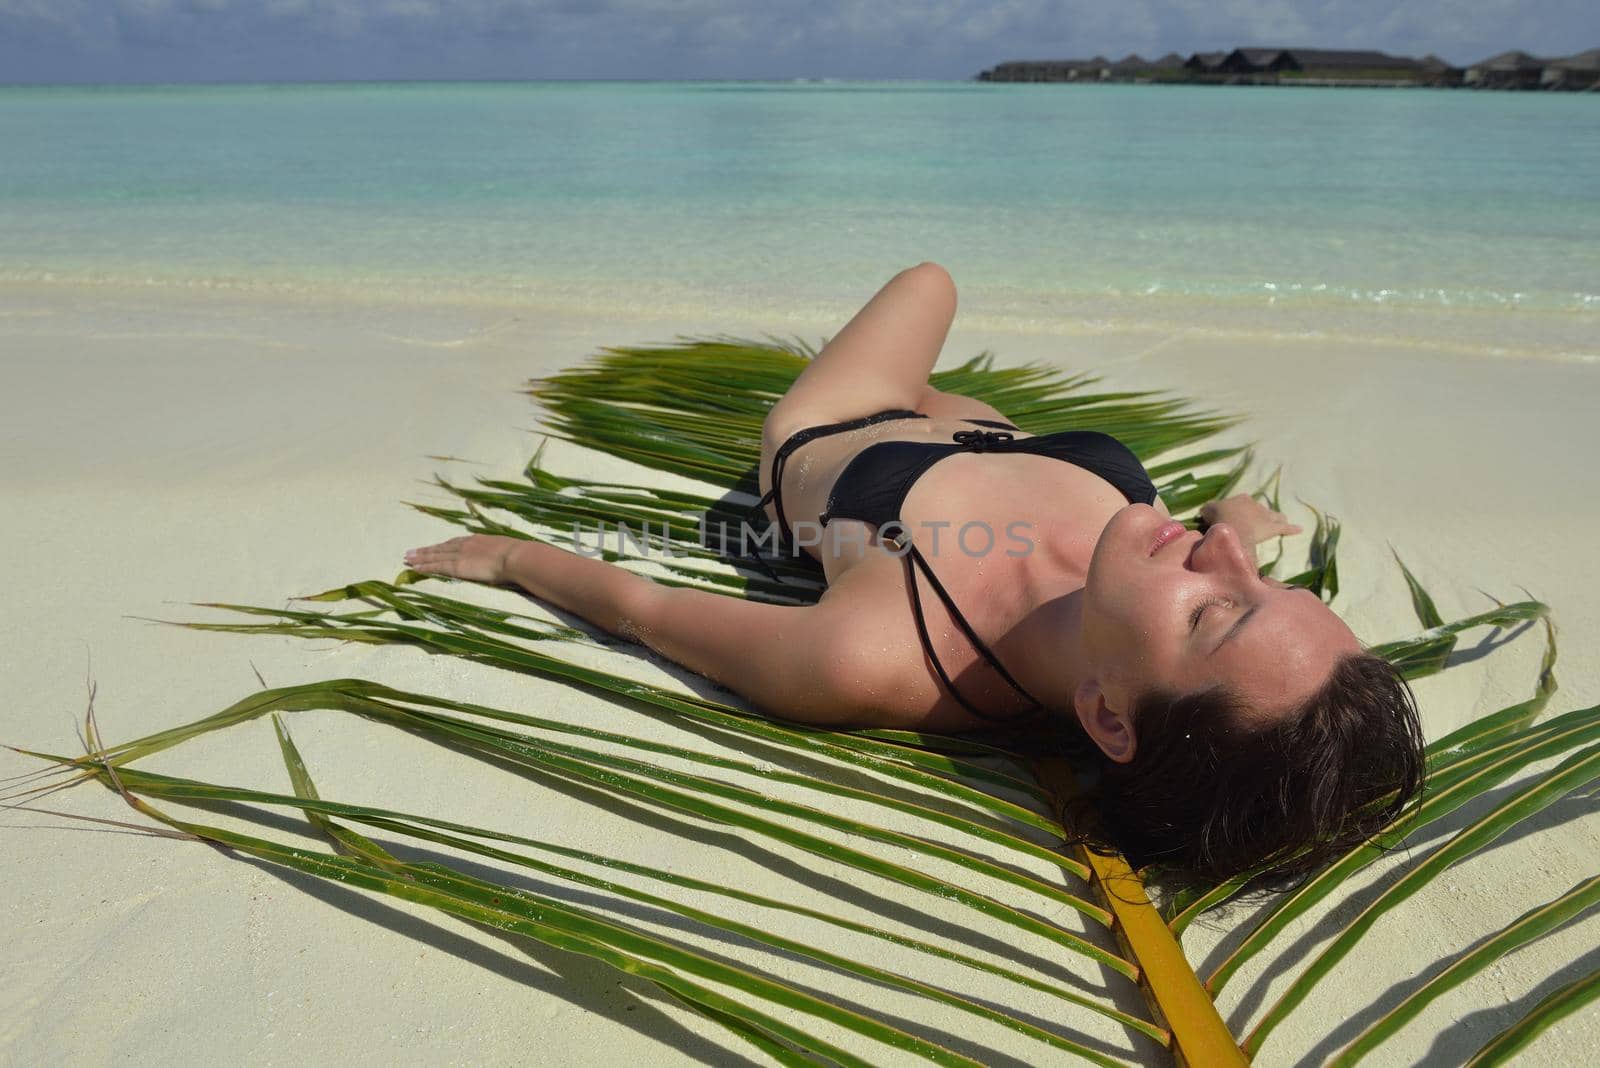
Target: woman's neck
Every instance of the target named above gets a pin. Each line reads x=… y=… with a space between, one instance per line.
x=1054 y=640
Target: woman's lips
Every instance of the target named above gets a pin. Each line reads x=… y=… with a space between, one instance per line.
x=1168 y=532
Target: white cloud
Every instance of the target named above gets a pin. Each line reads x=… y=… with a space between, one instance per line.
x=900 y=33
x=65 y=13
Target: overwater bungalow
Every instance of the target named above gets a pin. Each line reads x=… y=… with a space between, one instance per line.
x=1315 y=66
x=1439 y=72
x=1508 y=70
x=1326 y=66
x=1137 y=68
x=1205 y=62
x=1335 y=63
x=1257 y=61
x=1581 y=71
x=1047 y=70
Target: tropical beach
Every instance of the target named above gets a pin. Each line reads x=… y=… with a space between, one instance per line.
x=243 y=325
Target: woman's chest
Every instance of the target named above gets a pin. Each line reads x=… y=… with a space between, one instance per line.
x=999 y=539
x=997 y=523
x=979 y=505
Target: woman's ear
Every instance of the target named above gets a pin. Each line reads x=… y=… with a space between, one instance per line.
x=1110 y=727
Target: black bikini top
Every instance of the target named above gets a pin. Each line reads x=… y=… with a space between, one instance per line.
x=874 y=486
x=876 y=482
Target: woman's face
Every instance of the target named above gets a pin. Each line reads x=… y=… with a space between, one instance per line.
x=1168 y=609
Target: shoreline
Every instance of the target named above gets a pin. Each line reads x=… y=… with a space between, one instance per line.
x=168 y=448
x=1519 y=333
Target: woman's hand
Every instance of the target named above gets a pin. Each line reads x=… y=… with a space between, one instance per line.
x=475 y=557
x=1253 y=521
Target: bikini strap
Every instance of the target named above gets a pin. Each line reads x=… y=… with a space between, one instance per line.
x=799 y=438
x=915 y=555
x=779 y=459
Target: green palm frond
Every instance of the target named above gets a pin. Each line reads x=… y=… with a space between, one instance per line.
x=870 y=801
x=1563 y=1002
x=1534 y=924
x=696 y=409
x=460 y=894
x=1578 y=770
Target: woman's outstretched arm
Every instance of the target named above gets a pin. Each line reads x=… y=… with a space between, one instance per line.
x=806 y=663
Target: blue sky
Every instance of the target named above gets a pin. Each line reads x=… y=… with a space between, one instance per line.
x=246 y=40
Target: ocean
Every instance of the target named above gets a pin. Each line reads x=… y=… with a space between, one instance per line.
x=1237 y=208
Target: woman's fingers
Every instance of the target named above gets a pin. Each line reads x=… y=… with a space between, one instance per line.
x=474 y=557
x=436 y=559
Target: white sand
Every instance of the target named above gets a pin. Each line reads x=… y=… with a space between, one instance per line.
x=161 y=448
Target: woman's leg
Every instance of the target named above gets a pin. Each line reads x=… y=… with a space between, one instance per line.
x=942 y=405
x=880 y=360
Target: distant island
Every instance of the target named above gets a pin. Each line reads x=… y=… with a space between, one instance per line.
x=1315 y=66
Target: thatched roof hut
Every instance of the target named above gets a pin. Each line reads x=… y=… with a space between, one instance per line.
x=1436 y=71
x=1331 y=63
x=1581 y=71
x=1257 y=60
x=1046 y=70
x=1031 y=70
x=1354 y=65
x=1168 y=68
x=1346 y=60
x=1325 y=66
x=1508 y=70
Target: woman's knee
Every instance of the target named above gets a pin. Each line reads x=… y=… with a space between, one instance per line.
x=934 y=271
x=932 y=275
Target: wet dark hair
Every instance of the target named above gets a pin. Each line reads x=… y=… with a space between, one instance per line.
x=1210 y=794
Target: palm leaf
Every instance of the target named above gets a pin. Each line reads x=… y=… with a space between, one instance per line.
x=1533 y=924
x=507 y=899
x=565 y=927
x=695 y=409
x=1561 y=1003
x=1322 y=577
x=1576 y=771
x=359 y=845
x=1473 y=736
x=650 y=783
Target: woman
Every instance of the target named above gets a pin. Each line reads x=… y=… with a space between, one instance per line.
x=976 y=573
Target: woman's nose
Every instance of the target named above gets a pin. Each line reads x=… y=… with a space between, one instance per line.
x=1221 y=550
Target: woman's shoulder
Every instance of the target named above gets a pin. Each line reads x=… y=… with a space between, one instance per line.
x=880 y=637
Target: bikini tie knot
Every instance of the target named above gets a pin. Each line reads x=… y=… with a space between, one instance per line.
x=979 y=440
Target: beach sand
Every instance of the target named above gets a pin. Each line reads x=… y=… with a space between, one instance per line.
x=163 y=447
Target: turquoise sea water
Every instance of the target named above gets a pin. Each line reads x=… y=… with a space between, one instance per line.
x=1080 y=198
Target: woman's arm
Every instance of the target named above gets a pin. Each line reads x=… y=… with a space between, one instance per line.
x=802 y=663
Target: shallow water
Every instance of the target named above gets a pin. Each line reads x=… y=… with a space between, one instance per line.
x=1111 y=203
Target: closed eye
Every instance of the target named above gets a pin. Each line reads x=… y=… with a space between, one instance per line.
x=1200 y=611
